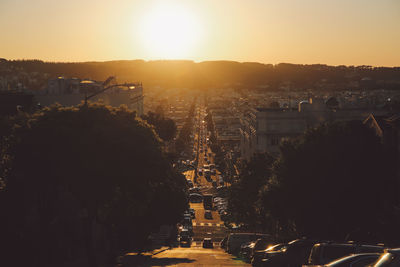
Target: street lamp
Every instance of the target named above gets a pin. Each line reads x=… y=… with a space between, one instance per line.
x=130 y=86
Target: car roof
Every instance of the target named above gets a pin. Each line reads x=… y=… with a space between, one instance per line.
x=394 y=250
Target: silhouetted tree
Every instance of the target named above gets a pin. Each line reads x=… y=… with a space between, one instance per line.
x=164 y=127
x=243 y=193
x=334 y=181
x=95 y=166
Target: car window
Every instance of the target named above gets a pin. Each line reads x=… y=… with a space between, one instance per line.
x=364 y=262
x=315 y=255
x=333 y=252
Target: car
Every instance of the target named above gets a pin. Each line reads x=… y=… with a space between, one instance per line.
x=194 y=190
x=222 y=244
x=208 y=215
x=207 y=243
x=192 y=213
x=258 y=256
x=260 y=245
x=323 y=253
x=200 y=172
x=295 y=253
x=189 y=183
x=235 y=240
x=213 y=172
x=355 y=260
x=245 y=250
x=390 y=258
x=214 y=184
x=185 y=238
x=195 y=198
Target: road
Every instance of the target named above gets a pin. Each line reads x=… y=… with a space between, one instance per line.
x=214 y=228
x=197 y=256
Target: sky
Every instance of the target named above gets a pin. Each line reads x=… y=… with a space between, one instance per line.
x=333 y=32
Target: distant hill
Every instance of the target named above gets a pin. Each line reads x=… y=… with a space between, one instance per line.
x=210 y=74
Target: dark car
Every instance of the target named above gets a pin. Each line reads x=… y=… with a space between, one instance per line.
x=207 y=243
x=246 y=250
x=295 y=253
x=391 y=258
x=222 y=244
x=258 y=256
x=192 y=213
x=322 y=253
x=355 y=260
x=260 y=245
x=208 y=215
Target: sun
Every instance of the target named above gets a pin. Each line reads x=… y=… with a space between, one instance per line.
x=170 y=32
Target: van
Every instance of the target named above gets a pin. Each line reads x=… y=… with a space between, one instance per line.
x=235 y=240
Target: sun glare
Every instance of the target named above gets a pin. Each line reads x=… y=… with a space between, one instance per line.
x=170 y=32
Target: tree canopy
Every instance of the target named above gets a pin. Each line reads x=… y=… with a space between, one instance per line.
x=243 y=192
x=102 y=165
x=164 y=127
x=335 y=181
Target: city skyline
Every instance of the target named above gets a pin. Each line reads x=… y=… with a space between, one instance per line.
x=302 y=32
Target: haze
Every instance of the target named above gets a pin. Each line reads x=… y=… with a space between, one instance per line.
x=334 y=32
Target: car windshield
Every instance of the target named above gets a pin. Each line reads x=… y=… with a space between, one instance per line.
x=276 y=248
x=385 y=260
x=261 y=244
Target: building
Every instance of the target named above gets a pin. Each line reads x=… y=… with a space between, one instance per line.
x=263 y=129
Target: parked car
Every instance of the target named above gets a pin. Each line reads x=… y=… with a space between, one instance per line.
x=235 y=240
x=192 y=213
x=194 y=190
x=185 y=238
x=223 y=243
x=195 y=198
x=260 y=246
x=390 y=258
x=207 y=243
x=323 y=253
x=355 y=260
x=189 y=183
x=246 y=249
x=295 y=253
x=208 y=214
x=258 y=256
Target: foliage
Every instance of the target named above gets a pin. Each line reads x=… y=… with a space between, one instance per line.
x=183 y=140
x=212 y=74
x=164 y=127
x=243 y=193
x=75 y=168
x=335 y=181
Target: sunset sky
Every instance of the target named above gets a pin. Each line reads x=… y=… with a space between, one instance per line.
x=334 y=32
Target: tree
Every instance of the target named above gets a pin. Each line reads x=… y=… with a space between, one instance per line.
x=102 y=167
x=335 y=181
x=164 y=127
x=243 y=193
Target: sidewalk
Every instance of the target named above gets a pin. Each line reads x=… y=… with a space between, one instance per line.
x=134 y=259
